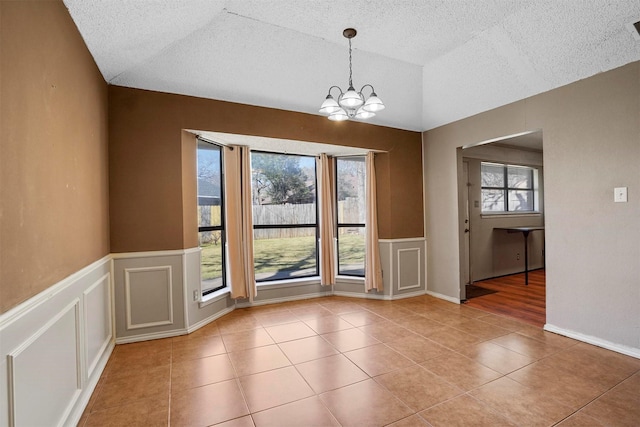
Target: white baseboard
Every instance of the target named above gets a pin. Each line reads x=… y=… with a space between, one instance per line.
x=151 y=336
x=409 y=295
x=283 y=299
x=90 y=387
x=444 y=297
x=379 y=297
x=360 y=295
x=210 y=319
x=629 y=351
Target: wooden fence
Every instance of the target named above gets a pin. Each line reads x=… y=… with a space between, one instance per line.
x=348 y=210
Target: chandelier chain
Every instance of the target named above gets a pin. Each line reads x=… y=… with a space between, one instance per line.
x=350 y=67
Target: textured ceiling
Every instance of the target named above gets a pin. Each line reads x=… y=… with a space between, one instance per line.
x=431 y=61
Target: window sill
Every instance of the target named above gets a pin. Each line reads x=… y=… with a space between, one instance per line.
x=350 y=279
x=510 y=214
x=315 y=280
x=214 y=297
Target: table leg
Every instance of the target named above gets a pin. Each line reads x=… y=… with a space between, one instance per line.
x=526 y=258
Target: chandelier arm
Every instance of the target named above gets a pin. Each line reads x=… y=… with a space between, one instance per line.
x=372 y=89
x=337 y=87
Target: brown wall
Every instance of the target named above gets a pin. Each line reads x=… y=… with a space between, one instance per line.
x=189 y=190
x=53 y=140
x=146 y=150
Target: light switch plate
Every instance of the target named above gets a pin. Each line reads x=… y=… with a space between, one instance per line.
x=620 y=194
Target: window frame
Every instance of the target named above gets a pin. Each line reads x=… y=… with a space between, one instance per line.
x=506 y=189
x=340 y=225
x=201 y=142
x=316 y=226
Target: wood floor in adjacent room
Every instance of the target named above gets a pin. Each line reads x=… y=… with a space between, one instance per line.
x=513 y=298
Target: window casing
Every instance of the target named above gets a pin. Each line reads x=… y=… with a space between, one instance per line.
x=351 y=215
x=211 y=230
x=285 y=216
x=507 y=188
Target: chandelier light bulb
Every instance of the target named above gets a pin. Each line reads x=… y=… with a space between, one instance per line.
x=373 y=103
x=329 y=105
x=339 y=116
x=363 y=114
x=351 y=99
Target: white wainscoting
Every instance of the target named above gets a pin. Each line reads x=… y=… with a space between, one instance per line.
x=54 y=348
x=149 y=295
x=98 y=320
x=404 y=266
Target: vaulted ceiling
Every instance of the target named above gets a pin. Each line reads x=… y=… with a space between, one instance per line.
x=431 y=61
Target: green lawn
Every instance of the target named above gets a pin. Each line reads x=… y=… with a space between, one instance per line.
x=293 y=253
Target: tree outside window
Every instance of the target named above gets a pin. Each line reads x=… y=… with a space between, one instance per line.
x=507 y=188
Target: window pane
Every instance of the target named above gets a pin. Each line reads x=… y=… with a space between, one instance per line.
x=285 y=253
x=283 y=189
x=520 y=200
x=209 y=185
x=519 y=177
x=210 y=208
x=492 y=200
x=351 y=248
x=209 y=216
x=350 y=179
x=492 y=175
x=211 y=264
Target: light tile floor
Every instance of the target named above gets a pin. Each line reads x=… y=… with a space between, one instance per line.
x=342 y=362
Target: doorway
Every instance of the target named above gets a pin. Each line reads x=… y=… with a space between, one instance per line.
x=486 y=251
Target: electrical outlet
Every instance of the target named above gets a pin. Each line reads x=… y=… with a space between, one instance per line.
x=518 y=256
x=195 y=295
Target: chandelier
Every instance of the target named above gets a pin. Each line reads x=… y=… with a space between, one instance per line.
x=351 y=104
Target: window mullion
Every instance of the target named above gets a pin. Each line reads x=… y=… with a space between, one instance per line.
x=505 y=189
x=351 y=224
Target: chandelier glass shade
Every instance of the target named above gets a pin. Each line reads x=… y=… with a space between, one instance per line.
x=352 y=103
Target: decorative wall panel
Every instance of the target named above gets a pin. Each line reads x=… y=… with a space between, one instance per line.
x=45 y=376
x=409 y=269
x=98 y=320
x=148 y=296
x=54 y=347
